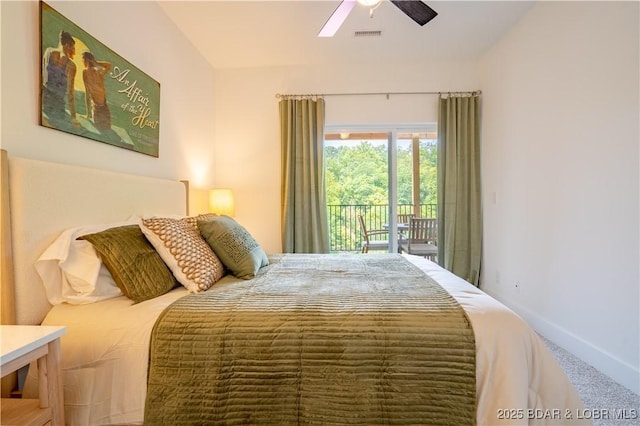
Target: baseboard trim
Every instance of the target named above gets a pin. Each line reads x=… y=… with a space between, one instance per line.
x=620 y=371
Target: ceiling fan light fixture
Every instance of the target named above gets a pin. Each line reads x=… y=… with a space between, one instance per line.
x=417 y=10
x=370 y=3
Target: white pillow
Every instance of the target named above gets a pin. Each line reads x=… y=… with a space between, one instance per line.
x=71 y=270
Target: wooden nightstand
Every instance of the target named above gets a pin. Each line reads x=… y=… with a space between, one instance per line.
x=19 y=346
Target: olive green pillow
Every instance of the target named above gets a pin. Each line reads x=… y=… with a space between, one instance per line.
x=134 y=264
x=233 y=244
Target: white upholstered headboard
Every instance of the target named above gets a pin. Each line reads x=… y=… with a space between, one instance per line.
x=47 y=198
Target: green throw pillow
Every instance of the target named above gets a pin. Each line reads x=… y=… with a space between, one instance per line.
x=233 y=244
x=134 y=264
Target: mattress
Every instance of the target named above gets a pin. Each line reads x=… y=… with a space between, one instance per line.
x=105 y=356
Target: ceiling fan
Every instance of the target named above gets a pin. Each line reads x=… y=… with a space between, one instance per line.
x=414 y=9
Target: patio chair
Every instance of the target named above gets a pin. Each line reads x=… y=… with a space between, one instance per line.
x=370 y=243
x=403 y=225
x=404 y=217
x=421 y=238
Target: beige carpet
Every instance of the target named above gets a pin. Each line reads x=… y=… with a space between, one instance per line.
x=607 y=402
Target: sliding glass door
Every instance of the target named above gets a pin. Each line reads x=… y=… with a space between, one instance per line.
x=376 y=173
x=357 y=184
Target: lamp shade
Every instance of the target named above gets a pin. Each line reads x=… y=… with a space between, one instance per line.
x=221 y=202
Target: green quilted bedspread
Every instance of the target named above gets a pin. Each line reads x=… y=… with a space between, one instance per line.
x=315 y=339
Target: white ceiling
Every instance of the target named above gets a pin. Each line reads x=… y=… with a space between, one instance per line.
x=238 y=33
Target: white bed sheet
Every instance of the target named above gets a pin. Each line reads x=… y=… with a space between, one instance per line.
x=105 y=355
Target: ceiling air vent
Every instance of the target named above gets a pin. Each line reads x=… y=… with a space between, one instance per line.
x=369 y=33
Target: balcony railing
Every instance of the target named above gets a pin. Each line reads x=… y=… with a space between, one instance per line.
x=344 y=228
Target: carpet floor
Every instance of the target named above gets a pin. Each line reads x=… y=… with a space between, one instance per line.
x=607 y=402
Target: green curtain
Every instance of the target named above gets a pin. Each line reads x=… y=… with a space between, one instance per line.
x=459 y=201
x=305 y=227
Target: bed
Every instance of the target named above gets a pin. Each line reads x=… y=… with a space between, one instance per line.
x=350 y=346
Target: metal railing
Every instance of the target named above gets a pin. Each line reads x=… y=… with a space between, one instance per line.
x=344 y=229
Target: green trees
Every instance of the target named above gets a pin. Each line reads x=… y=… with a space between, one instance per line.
x=357 y=173
x=428 y=172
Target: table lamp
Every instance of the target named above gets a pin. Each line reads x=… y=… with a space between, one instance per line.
x=221 y=202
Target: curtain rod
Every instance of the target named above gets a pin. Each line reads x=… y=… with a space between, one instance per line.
x=387 y=94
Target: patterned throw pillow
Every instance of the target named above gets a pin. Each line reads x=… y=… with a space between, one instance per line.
x=234 y=246
x=184 y=251
x=133 y=263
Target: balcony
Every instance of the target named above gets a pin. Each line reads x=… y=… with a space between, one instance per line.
x=344 y=229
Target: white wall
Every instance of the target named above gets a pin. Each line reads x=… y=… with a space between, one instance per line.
x=560 y=178
x=140 y=32
x=247 y=121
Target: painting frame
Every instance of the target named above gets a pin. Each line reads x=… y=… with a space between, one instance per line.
x=88 y=90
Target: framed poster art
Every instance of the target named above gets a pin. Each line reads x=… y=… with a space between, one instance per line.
x=88 y=90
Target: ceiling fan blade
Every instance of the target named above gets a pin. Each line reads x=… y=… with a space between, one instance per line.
x=337 y=18
x=416 y=10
